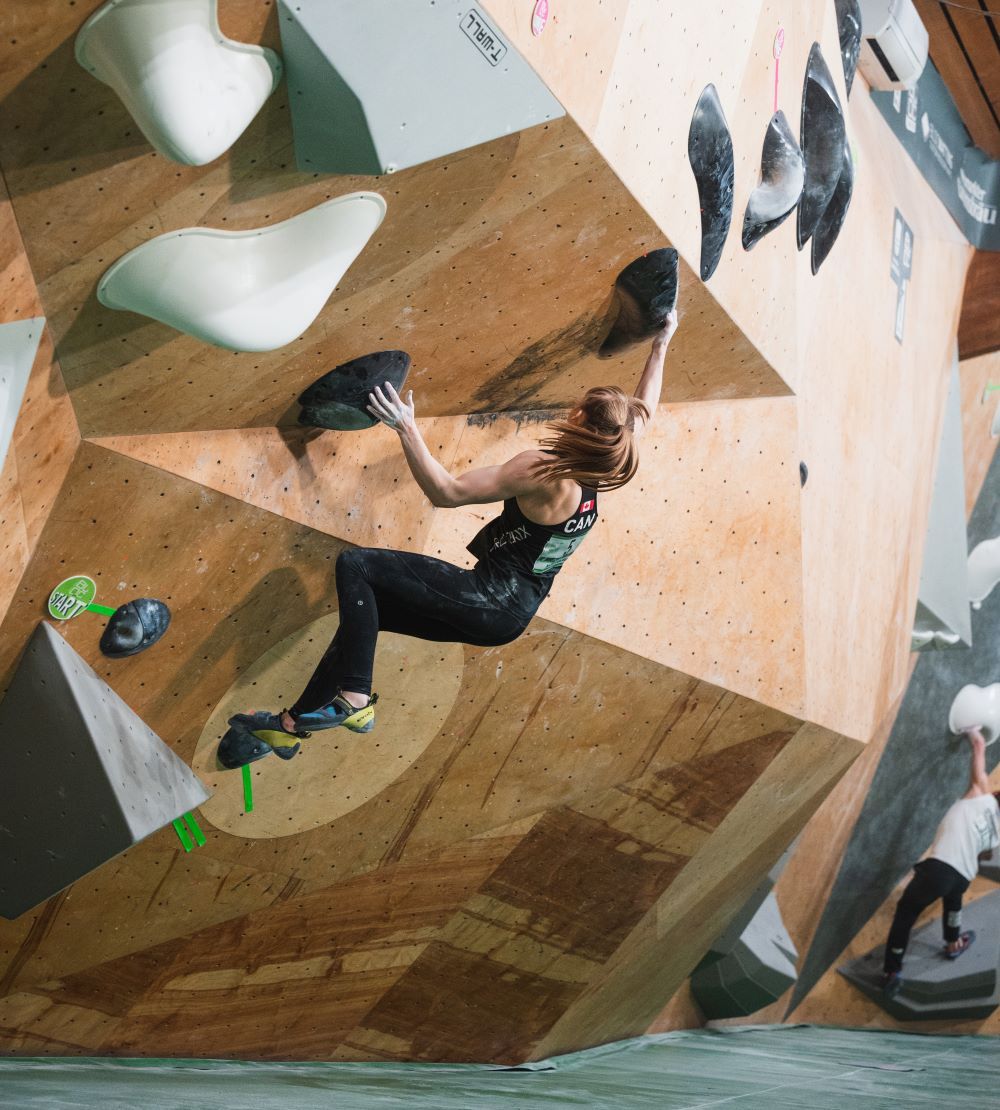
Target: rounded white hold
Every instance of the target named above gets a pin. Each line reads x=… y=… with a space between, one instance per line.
x=253 y=290
x=976 y=706
x=984 y=570
x=191 y=90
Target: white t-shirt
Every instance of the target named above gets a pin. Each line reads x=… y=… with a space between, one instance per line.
x=971 y=826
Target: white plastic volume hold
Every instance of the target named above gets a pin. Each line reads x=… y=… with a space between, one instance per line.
x=984 y=570
x=191 y=90
x=977 y=706
x=253 y=290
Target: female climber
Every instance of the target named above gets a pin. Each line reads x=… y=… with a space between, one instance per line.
x=549 y=499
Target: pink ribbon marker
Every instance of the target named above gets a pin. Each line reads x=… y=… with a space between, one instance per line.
x=776 y=49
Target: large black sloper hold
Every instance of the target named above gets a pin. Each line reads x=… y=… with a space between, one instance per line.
x=822 y=134
x=849 y=29
x=782 y=172
x=645 y=294
x=710 y=152
x=339 y=399
x=832 y=219
x=134 y=626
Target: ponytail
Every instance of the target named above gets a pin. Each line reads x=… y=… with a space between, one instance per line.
x=595 y=445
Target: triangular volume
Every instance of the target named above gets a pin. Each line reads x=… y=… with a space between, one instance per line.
x=934 y=988
x=381 y=86
x=943 y=618
x=82 y=778
x=18 y=345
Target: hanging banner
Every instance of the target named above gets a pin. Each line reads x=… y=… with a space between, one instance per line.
x=927 y=123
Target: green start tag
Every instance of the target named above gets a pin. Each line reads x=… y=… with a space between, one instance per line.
x=71 y=597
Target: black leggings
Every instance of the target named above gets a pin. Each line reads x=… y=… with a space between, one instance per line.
x=932 y=879
x=415 y=595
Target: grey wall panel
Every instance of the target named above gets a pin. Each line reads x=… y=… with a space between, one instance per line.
x=377 y=85
x=943 y=596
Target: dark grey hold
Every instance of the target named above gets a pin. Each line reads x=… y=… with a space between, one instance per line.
x=832 y=219
x=239 y=747
x=644 y=296
x=710 y=152
x=782 y=172
x=822 y=134
x=803 y=473
x=134 y=626
x=339 y=399
x=849 y=29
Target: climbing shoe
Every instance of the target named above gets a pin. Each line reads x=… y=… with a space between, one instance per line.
x=340 y=712
x=892 y=983
x=966 y=941
x=252 y=736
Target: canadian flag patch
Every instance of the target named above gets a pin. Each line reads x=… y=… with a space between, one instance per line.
x=586 y=506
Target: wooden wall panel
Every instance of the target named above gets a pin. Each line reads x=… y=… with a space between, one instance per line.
x=830 y=336
x=45 y=435
x=608 y=806
x=695 y=564
x=979 y=324
x=965 y=49
x=493 y=267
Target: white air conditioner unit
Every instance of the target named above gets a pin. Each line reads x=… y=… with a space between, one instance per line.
x=894 y=50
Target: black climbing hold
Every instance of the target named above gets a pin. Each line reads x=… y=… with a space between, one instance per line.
x=239 y=747
x=832 y=219
x=339 y=399
x=822 y=134
x=803 y=473
x=710 y=152
x=645 y=294
x=849 y=29
x=782 y=172
x=134 y=626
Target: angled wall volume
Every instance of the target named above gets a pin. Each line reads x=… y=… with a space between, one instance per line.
x=943 y=618
x=933 y=987
x=755 y=972
x=82 y=778
x=253 y=290
x=18 y=345
x=434 y=79
x=191 y=90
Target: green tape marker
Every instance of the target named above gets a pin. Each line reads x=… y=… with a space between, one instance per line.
x=196 y=832
x=247 y=789
x=182 y=835
x=93 y=607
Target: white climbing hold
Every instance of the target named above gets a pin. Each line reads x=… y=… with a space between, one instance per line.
x=191 y=90
x=253 y=290
x=984 y=570
x=976 y=706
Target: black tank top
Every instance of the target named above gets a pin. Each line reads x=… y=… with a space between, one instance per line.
x=519 y=558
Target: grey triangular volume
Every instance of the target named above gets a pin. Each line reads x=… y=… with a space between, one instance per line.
x=935 y=988
x=82 y=778
x=18 y=346
x=382 y=86
x=756 y=971
x=943 y=618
